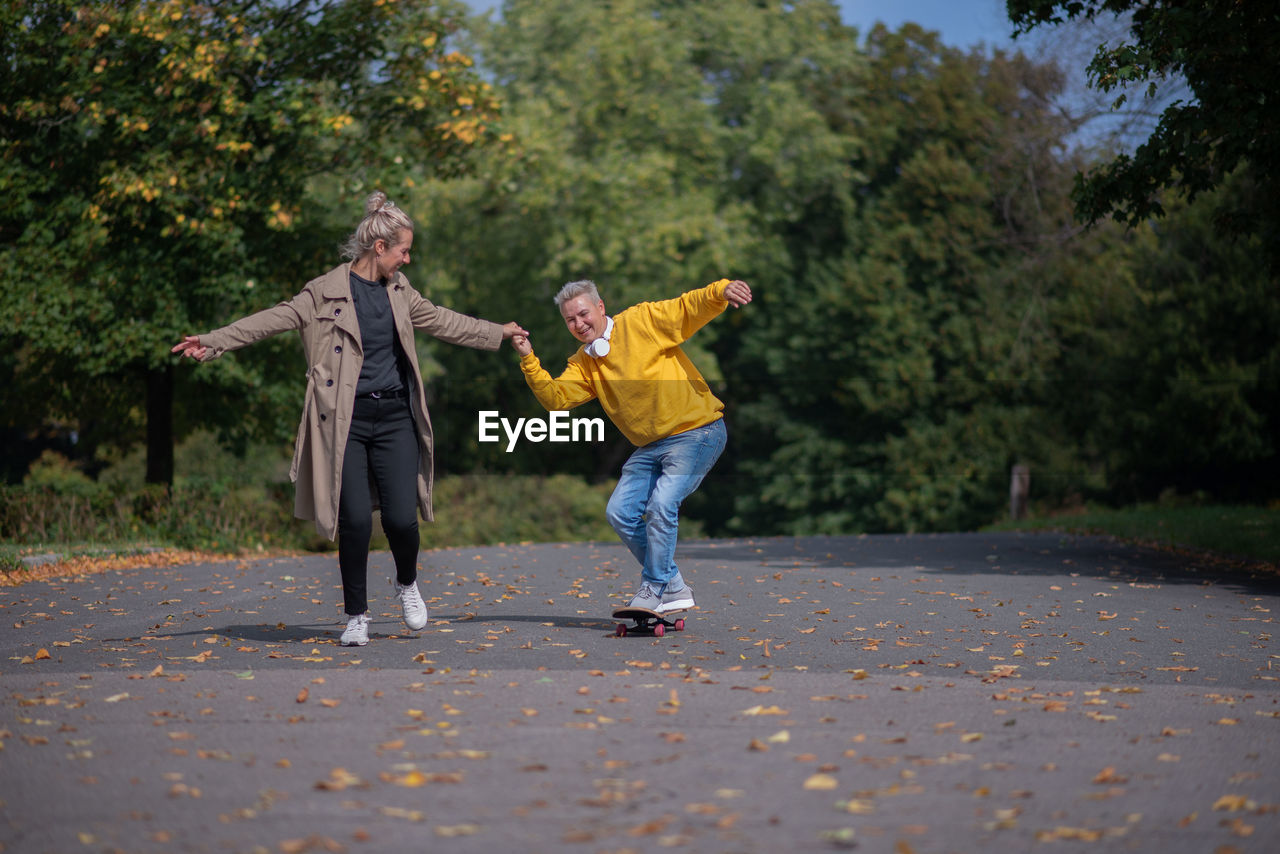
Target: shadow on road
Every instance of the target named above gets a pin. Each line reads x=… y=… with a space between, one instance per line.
x=995 y=554
x=311 y=633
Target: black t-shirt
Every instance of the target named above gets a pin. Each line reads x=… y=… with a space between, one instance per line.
x=383 y=366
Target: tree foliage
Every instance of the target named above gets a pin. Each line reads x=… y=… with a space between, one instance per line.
x=646 y=163
x=157 y=159
x=927 y=310
x=1229 y=53
x=888 y=383
x=1168 y=377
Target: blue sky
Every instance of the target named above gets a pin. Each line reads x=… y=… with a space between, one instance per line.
x=963 y=23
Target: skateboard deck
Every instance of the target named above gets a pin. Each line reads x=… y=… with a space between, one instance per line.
x=647 y=621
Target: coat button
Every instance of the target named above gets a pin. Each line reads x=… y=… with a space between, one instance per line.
x=323 y=417
x=338 y=349
x=337 y=311
x=328 y=382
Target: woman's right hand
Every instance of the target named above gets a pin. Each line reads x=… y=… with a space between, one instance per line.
x=190 y=346
x=521 y=345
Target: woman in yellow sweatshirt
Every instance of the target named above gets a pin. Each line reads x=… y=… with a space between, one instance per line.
x=632 y=363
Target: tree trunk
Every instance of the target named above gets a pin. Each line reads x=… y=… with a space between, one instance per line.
x=1019 y=491
x=160 y=425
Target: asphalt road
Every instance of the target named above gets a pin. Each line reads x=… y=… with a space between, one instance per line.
x=898 y=694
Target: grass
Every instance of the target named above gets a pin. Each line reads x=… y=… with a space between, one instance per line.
x=1239 y=532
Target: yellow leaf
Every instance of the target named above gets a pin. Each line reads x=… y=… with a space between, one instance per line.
x=1109 y=775
x=821 y=783
x=450 y=831
x=412 y=780
x=1233 y=803
x=339 y=779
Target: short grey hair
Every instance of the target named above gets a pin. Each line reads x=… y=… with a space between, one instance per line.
x=382 y=221
x=573 y=290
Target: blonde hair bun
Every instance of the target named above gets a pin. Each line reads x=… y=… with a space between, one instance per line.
x=376 y=201
x=382 y=221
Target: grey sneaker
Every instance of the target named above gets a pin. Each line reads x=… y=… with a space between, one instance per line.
x=648 y=598
x=357 y=633
x=415 y=610
x=676 y=600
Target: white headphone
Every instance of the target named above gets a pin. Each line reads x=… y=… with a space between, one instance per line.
x=600 y=347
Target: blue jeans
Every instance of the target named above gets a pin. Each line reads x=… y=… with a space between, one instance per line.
x=645 y=506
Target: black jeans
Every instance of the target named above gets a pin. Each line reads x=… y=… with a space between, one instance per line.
x=383 y=443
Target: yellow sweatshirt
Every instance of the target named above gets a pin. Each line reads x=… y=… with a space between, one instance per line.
x=646 y=384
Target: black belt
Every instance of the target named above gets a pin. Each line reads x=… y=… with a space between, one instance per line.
x=383 y=395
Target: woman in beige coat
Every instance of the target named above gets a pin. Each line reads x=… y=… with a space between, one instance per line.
x=365 y=435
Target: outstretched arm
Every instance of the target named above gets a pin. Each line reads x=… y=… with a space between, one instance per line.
x=677 y=319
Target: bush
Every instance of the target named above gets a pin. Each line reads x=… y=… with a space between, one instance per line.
x=487 y=509
x=221 y=502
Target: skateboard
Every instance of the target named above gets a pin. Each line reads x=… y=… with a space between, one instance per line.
x=647 y=621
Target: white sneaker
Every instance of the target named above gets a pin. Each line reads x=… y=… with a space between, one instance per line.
x=357 y=633
x=415 y=610
x=676 y=600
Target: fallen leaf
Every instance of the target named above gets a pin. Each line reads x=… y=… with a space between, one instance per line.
x=1233 y=803
x=339 y=779
x=649 y=828
x=821 y=783
x=450 y=831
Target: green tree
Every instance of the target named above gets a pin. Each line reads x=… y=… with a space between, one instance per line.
x=1229 y=53
x=900 y=209
x=157 y=158
x=1170 y=378
x=890 y=381
x=651 y=163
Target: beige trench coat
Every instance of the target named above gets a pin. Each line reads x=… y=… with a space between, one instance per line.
x=325 y=315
